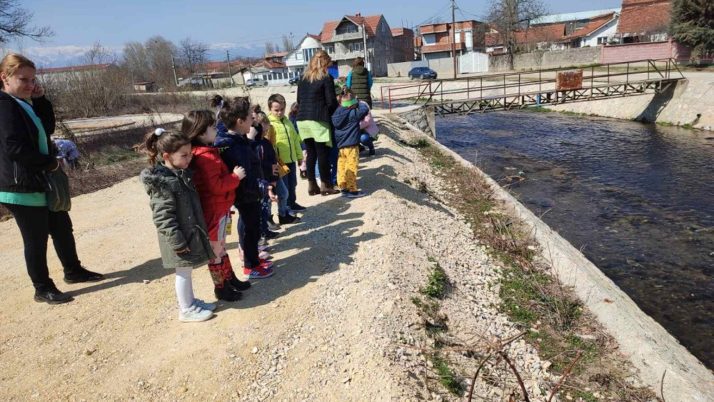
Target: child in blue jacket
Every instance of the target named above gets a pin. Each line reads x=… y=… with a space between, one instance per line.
x=347 y=135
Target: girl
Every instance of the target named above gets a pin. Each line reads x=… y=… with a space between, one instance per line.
x=178 y=217
x=216 y=188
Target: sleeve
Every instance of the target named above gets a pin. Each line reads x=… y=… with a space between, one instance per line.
x=369 y=80
x=163 y=208
x=14 y=126
x=44 y=110
x=330 y=96
x=362 y=110
x=213 y=180
x=348 y=82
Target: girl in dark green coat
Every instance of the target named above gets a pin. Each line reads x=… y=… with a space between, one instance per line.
x=176 y=208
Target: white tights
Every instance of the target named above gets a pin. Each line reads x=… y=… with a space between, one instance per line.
x=184 y=288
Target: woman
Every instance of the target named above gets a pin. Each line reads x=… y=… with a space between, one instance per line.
x=317 y=101
x=26 y=153
x=359 y=80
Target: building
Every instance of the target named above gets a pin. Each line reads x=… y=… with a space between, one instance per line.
x=435 y=40
x=298 y=60
x=644 y=21
x=66 y=74
x=565 y=31
x=402 y=45
x=145 y=86
x=344 y=41
x=271 y=69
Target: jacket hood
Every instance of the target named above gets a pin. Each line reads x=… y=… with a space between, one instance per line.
x=342 y=116
x=203 y=150
x=160 y=177
x=227 y=140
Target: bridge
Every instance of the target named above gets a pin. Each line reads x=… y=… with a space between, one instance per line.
x=535 y=88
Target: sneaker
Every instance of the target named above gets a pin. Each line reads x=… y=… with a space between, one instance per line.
x=297 y=207
x=273 y=226
x=263 y=247
x=263 y=242
x=81 y=274
x=52 y=296
x=264 y=255
x=203 y=305
x=371 y=152
x=194 y=314
x=344 y=193
x=355 y=194
x=288 y=219
x=261 y=273
x=265 y=263
x=271 y=235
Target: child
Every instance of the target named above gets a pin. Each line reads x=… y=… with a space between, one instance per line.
x=369 y=130
x=178 y=217
x=216 y=188
x=287 y=145
x=347 y=134
x=294 y=108
x=236 y=150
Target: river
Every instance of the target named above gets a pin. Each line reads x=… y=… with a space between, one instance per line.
x=637 y=199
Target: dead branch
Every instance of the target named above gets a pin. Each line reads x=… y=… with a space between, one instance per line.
x=518 y=375
x=565 y=375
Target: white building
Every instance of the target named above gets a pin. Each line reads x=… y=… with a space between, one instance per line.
x=298 y=59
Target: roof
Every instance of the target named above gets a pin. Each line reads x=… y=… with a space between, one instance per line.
x=222 y=65
x=276 y=54
x=270 y=64
x=402 y=31
x=557 y=31
x=86 y=67
x=370 y=22
x=493 y=39
x=582 y=15
x=641 y=16
x=445 y=26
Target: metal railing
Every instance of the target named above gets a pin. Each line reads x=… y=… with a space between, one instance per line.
x=530 y=83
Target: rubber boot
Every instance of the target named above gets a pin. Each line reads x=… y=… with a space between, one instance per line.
x=233 y=280
x=221 y=274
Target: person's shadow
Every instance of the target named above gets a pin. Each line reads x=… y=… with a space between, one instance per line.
x=149 y=270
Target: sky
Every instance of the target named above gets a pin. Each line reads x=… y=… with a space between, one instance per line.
x=241 y=27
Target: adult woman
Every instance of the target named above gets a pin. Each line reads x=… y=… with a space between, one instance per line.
x=317 y=100
x=359 y=80
x=26 y=153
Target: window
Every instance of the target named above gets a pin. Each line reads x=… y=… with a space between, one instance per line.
x=602 y=40
x=346 y=28
x=330 y=48
x=355 y=46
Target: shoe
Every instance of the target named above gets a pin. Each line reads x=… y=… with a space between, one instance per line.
x=361 y=148
x=227 y=293
x=237 y=283
x=265 y=263
x=271 y=235
x=264 y=255
x=194 y=314
x=297 y=207
x=263 y=247
x=371 y=152
x=82 y=274
x=52 y=296
x=355 y=194
x=263 y=242
x=303 y=174
x=273 y=226
x=261 y=273
x=328 y=190
x=288 y=219
x=204 y=305
x=344 y=193
x=313 y=188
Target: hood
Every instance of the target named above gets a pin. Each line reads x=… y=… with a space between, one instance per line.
x=160 y=178
x=203 y=150
x=342 y=116
x=358 y=70
x=275 y=119
x=225 y=140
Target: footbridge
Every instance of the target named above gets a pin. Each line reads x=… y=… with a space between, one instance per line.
x=535 y=88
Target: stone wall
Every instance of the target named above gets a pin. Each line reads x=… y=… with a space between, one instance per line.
x=546 y=59
x=420 y=117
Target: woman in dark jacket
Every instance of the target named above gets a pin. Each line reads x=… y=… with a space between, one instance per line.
x=317 y=101
x=359 y=80
x=26 y=153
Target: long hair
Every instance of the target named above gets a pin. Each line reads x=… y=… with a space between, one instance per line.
x=216 y=100
x=238 y=108
x=359 y=61
x=12 y=62
x=195 y=123
x=317 y=69
x=159 y=141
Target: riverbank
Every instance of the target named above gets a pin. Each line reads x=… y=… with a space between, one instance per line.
x=365 y=293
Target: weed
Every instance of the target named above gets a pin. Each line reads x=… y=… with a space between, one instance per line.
x=447 y=378
x=438 y=281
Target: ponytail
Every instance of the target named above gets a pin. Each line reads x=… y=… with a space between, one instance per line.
x=159 y=141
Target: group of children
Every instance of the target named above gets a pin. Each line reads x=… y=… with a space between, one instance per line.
x=239 y=158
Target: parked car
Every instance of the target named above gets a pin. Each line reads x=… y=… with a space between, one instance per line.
x=422 y=72
x=294 y=80
x=256 y=82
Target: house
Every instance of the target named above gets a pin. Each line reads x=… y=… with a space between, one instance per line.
x=344 y=40
x=402 y=44
x=298 y=59
x=644 y=20
x=564 y=31
x=145 y=86
x=435 y=40
x=270 y=69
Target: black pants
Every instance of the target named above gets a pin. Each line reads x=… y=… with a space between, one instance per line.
x=249 y=232
x=36 y=225
x=321 y=152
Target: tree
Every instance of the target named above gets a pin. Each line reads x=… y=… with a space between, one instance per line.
x=510 y=16
x=151 y=61
x=192 y=54
x=15 y=23
x=693 y=25
x=271 y=48
x=288 y=45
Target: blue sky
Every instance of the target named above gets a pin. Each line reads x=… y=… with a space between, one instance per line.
x=240 y=26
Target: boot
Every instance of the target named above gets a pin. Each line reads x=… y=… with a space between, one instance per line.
x=328 y=189
x=312 y=187
x=233 y=280
x=227 y=293
x=287 y=219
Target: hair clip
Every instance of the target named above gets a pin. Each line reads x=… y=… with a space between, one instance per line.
x=159 y=131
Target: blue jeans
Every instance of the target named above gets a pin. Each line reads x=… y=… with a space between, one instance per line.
x=333 y=156
x=290 y=181
x=281 y=190
x=366 y=140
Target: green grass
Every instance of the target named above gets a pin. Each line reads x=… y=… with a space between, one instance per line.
x=438 y=281
x=447 y=378
x=113 y=154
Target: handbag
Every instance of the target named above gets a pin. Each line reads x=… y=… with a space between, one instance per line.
x=58 y=196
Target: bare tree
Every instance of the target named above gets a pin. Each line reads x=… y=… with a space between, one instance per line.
x=15 y=23
x=136 y=61
x=160 y=54
x=510 y=16
x=192 y=54
x=271 y=48
x=288 y=45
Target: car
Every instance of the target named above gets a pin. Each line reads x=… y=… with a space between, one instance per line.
x=422 y=72
x=294 y=80
x=256 y=82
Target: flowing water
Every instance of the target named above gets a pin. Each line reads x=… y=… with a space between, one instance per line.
x=637 y=199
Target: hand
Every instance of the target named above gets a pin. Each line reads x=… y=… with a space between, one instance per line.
x=275 y=169
x=38 y=91
x=183 y=251
x=272 y=196
x=252 y=133
x=240 y=172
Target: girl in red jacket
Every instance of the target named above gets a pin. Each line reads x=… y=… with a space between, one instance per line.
x=216 y=187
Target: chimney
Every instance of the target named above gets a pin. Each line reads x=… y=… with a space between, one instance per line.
x=358 y=15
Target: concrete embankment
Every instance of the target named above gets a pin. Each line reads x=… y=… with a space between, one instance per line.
x=651 y=349
x=689 y=103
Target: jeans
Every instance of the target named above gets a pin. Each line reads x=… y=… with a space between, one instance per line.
x=249 y=232
x=366 y=140
x=290 y=182
x=283 y=197
x=36 y=225
x=317 y=151
x=334 y=157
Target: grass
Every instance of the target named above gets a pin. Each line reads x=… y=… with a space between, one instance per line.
x=437 y=283
x=447 y=378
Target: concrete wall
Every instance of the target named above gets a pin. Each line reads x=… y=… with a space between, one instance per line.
x=546 y=59
x=443 y=67
x=636 y=51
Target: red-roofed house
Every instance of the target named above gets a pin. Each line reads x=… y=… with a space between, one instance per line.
x=298 y=59
x=344 y=42
x=435 y=39
x=569 y=33
x=644 y=20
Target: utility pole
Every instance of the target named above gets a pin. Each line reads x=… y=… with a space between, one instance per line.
x=453 y=33
x=228 y=60
x=364 y=40
x=173 y=67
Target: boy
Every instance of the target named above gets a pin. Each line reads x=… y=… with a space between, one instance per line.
x=347 y=135
x=287 y=146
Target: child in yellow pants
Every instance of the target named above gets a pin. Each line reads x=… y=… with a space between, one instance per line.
x=347 y=134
